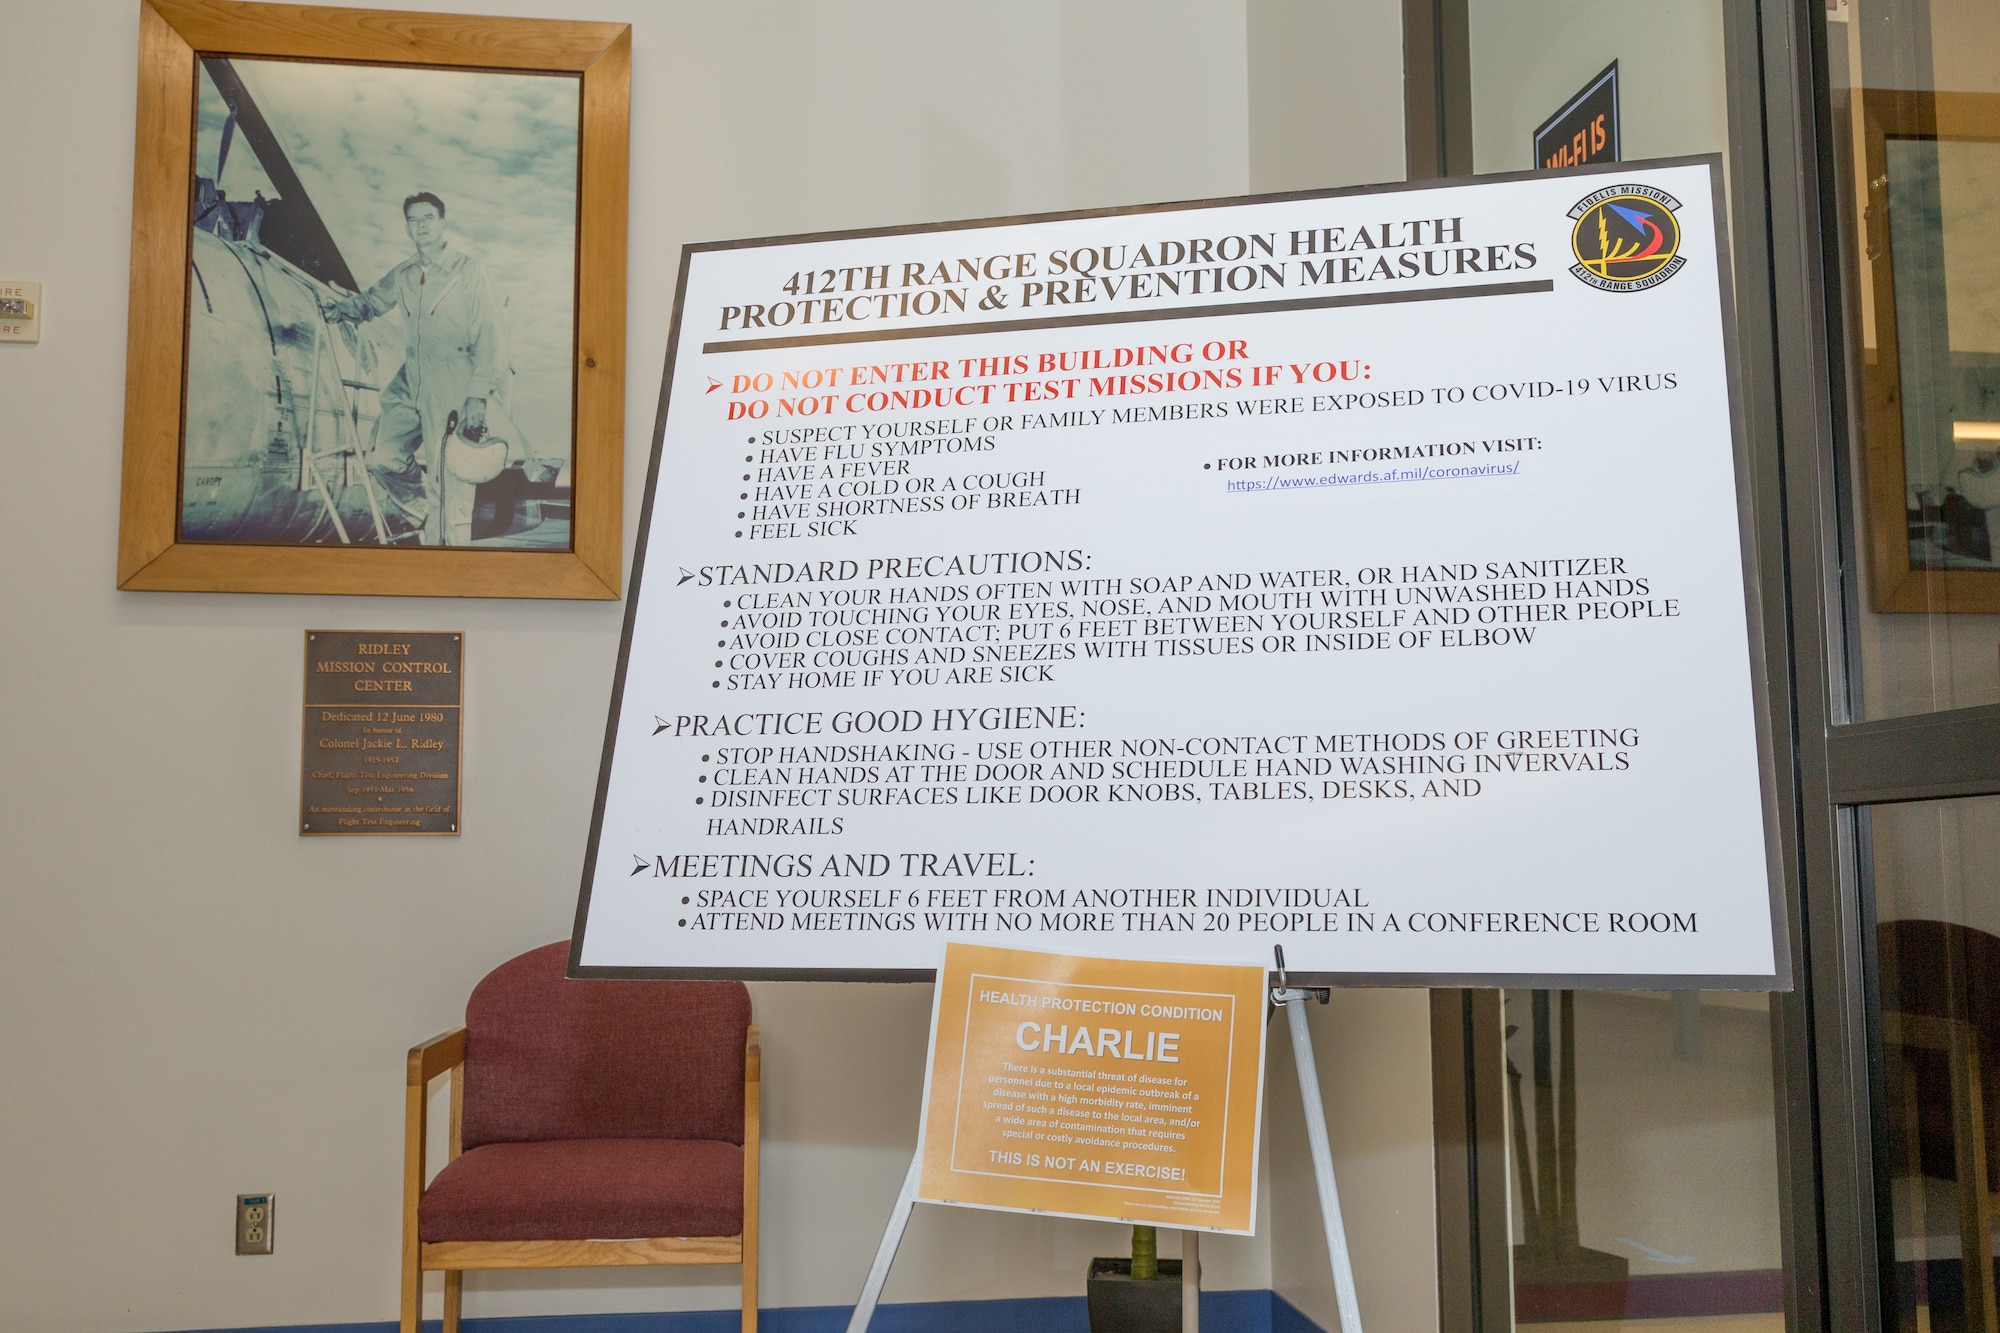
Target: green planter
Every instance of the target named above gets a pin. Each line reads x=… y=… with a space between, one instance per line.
x=1120 y=1303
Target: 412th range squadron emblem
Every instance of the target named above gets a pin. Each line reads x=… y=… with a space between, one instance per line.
x=1626 y=238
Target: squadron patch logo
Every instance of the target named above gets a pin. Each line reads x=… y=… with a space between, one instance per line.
x=1626 y=238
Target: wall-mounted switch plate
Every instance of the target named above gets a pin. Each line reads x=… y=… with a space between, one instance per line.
x=253 y=1222
x=20 y=312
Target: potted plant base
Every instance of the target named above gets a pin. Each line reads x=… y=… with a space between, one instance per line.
x=1121 y=1303
x=1149 y=1301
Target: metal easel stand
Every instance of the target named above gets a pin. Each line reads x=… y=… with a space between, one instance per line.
x=1293 y=1002
x=899 y=1222
x=885 y=1253
x=1190 y=1282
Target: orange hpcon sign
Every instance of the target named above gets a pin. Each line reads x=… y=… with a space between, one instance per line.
x=1089 y=1087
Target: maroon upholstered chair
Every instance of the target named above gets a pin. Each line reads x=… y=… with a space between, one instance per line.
x=592 y=1122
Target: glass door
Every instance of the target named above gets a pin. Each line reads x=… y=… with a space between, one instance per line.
x=1634 y=1136
x=1862 y=152
x=1828 y=1156
x=1642 y=1160
x=1642 y=1145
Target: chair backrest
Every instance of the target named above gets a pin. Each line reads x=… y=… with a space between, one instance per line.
x=551 y=1058
x=1941 y=969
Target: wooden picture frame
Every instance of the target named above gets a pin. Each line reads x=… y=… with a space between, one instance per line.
x=174 y=36
x=1896 y=582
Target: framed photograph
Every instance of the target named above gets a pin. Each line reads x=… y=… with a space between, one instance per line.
x=1930 y=315
x=377 y=337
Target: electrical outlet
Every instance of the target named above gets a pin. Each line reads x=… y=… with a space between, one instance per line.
x=253 y=1222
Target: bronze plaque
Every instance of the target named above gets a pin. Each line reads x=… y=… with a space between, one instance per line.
x=381 y=732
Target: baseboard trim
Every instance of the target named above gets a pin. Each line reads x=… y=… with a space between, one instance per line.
x=1221 y=1312
x=1653 y=1296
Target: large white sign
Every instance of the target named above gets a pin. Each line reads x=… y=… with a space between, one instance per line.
x=1359 y=573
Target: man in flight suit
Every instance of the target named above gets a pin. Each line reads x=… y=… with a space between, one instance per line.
x=456 y=361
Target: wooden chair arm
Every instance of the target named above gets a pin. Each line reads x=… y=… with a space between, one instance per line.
x=431 y=1058
x=446 y=1051
x=753 y=1056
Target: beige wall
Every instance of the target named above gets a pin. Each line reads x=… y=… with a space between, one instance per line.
x=1676 y=1128
x=1932 y=862
x=1529 y=56
x=193 y=1001
x=1326 y=93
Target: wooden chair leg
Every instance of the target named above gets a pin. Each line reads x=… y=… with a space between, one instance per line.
x=753 y=1135
x=454 y=1294
x=750 y=1187
x=413 y=1296
x=1982 y=1313
x=749 y=1271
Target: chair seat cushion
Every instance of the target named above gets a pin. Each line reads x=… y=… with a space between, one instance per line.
x=587 y=1189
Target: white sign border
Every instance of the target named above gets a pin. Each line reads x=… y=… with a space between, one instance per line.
x=1777 y=870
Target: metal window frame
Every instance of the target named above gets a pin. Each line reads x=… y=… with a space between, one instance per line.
x=1437 y=88
x=1927 y=757
x=1787 y=244
x=1469 y=1117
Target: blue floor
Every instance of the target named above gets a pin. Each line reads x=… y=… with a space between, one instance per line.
x=1221 y=1312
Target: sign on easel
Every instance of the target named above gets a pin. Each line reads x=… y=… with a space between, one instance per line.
x=1092 y=1136
x=1091 y=1087
x=1361 y=574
